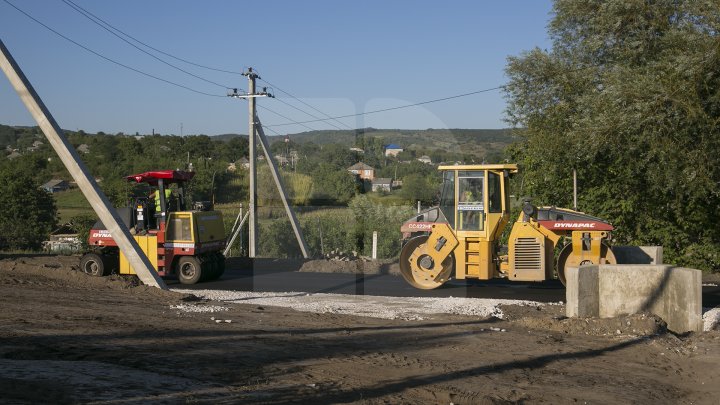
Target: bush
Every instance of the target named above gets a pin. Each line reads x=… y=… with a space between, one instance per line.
x=81 y=224
x=28 y=213
x=386 y=220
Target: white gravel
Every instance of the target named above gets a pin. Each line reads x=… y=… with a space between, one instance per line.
x=198 y=308
x=408 y=308
x=711 y=318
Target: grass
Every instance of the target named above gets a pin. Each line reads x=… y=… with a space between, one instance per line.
x=71 y=203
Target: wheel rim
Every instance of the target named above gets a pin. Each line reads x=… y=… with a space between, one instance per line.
x=92 y=267
x=416 y=274
x=188 y=270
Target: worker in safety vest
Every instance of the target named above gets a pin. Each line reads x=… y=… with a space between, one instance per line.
x=154 y=219
x=154 y=195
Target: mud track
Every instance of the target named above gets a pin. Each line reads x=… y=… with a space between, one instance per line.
x=70 y=338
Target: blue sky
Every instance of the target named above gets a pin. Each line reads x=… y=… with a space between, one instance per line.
x=340 y=57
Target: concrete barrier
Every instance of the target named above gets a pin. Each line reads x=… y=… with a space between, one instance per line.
x=609 y=290
x=638 y=254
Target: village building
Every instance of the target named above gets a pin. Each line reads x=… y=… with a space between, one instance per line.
x=393 y=150
x=425 y=159
x=55 y=185
x=382 y=184
x=363 y=171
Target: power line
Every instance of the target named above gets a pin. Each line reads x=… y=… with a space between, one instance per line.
x=272 y=130
x=302 y=124
x=154 y=49
x=94 y=19
x=391 y=108
x=305 y=112
x=306 y=104
x=107 y=58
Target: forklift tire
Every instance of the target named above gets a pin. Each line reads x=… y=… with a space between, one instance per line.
x=189 y=270
x=221 y=265
x=208 y=267
x=94 y=264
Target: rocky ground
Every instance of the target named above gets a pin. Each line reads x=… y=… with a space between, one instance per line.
x=69 y=338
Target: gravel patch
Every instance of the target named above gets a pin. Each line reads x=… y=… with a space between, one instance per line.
x=711 y=318
x=198 y=308
x=406 y=308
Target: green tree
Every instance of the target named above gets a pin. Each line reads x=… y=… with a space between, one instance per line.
x=29 y=213
x=629 y=96
x=370 y=217
x=419 y=188
x=332 y=185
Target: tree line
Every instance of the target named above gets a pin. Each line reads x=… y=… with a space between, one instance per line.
x=629 y=98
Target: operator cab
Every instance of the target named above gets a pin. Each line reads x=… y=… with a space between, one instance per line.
x=474 y=198
x=146 y=216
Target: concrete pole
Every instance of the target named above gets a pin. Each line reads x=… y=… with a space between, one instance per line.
x=374 y=245
x=238 y=231
x=252 y=225
x=575 y=189
x=281 y=189
x=79 y=171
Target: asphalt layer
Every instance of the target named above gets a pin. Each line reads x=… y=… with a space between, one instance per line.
x=271 y=280
x=374 y=284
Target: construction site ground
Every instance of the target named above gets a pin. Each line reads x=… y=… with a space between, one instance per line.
x=70 y=338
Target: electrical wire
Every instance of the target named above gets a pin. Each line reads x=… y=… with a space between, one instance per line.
x=150 y=47
x=391 y=108
x=107 y=58
x=282 y=116
x=306 y=104
x=305 y=112
x=88 y=16
x=110 y=28
x=271 y=130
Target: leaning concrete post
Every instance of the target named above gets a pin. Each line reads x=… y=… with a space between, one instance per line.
x=79 y=171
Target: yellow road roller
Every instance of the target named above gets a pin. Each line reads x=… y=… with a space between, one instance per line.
x=460 y=238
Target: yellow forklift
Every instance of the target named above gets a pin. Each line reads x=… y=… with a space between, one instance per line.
x=460 y=238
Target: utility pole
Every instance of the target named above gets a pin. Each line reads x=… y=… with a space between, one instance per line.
x=252 y=209
x=575 y=189
x=257 y=133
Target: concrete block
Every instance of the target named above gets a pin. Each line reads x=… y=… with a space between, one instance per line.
x=638 y=254
x=583 y=300
x=606 y=291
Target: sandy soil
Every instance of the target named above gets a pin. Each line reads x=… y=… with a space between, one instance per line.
x=69 y=338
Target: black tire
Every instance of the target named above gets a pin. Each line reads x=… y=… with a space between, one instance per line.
x=562 y=261
x=217 y=264
x=221 y=265
x=94 y=264
x=208 y=267
x=189 y=269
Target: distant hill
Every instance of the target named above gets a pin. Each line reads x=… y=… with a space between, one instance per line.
x=227 y=137
x=472 y=141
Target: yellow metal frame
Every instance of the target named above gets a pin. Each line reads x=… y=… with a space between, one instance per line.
x=594 y=254
x=440 y=231
x=474 y=254
x=149 y=245
x=181 y=215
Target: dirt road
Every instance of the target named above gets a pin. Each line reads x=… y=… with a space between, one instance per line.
x=69 y=338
